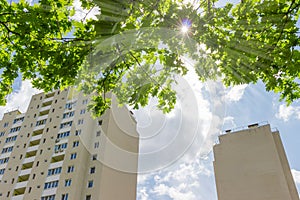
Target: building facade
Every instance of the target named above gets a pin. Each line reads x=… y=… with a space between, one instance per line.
x=56 y=150
x=252 y=164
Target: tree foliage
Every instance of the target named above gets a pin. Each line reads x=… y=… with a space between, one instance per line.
x=135 y=49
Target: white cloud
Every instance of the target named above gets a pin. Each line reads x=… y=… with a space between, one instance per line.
x=19 y=100
x=174 y=193
x=287 y=112
x=236 y=93
x=184 y=180
x=296 y=176
x=84 y=14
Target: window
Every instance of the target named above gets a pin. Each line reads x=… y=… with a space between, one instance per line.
x=78 y=132
x=96 y=145
x=4 y=160
x=2 y=133
x=90 y=184
x=2 y=171
x=73 y=156
x=68 y=114
x=12 y=130
x=54 y=171
x=68 y=182
x=70 y=169
x=65 y=196
x=51 y=197
x=63 y=134
x=88 y=197
x=100 y=122
x=66 y=124
x=18 y=120
x=7 y=149
x=98 y=133
x=84 y=101
x=60 y=146
x=94 y=157
x=82 y=111
x=92 y=170
x=41 y=122
x=52 y=184
x=11 y=139
x=75 y=143
x=70 y=105
x=5 y=124
x=80 y=121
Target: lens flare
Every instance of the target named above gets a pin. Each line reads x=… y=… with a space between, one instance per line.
x=186 y=24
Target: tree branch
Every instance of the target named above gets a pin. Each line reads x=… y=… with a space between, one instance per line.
x=9 y=30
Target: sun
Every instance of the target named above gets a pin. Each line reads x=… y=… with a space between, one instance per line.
x=186 y=25
x=184 y=29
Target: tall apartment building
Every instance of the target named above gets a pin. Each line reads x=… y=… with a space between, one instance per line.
x=57 y=151
x=251 y=164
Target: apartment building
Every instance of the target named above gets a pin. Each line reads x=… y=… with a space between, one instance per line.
x=56 y=150
x=251 y=163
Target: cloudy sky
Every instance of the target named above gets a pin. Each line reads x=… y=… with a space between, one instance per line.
x=175 y=149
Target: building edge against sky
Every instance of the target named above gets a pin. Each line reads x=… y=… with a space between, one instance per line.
x=56 y=150
x=252 y=164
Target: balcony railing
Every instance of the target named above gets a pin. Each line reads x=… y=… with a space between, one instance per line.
x=29 y=160
x=25 y=172
x=21 y=184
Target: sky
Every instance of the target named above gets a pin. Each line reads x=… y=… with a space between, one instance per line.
x=176 y=148
x=203 y=111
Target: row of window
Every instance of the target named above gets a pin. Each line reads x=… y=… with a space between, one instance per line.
x=15 y=129
x=2 y=133
x=60 y=146
x=50 y=197
x=63 y=135
x=70 y=105
x=69 y=114
x=4 y=160
x=11 y=139
x=5 y=124
x=54 y=171
x=21 y=119
x=66 y=124
x=41 y=122
x=7 y=149
x=52 y=184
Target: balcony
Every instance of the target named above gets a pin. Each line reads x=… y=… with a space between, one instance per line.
x=59 y=152
x=7 y=154
x=36 y=137
x=29 y=160
x=49 y=192
x=52 y=178
x=18 y=197
x=41 y=117
x=56 y=165
x=27 y=165
x=57 y=158
x=40 y=127
x=37 y=132
x=32 y=148
x=23 y=178
x=43 y=109
x=21 y=185
x=48 y=99
x=25 y=172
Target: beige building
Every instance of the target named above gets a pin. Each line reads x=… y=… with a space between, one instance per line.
x=57 y=151
x=251 y=164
